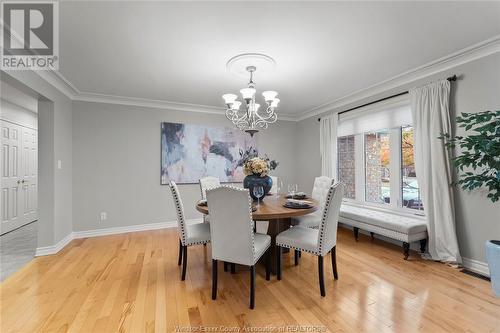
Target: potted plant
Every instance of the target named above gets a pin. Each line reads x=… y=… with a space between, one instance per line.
x=480 y=157
x=257 y=171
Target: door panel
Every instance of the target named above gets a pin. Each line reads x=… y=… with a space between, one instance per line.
x=19 y=173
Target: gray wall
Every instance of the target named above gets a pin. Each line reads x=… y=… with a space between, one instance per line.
x=55 y=136
x=478 y=89
x=116 y=158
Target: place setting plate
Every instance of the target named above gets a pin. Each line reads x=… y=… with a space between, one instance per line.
x=298 y=204
x=203 y=203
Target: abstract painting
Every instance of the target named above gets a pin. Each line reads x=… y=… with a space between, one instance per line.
x=190 y=152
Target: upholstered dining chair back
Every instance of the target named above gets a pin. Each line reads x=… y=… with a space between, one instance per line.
x=231 y=225
x=207 y=183
x=320 y=189
x=179 y=208
x=327 y=236
x=274 y=188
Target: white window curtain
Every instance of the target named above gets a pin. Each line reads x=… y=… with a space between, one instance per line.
x=328 y=145
x=431 y=117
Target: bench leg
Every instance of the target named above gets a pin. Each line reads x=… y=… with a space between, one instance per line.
x=423 y=244
x=406 y=249
x=356 y=233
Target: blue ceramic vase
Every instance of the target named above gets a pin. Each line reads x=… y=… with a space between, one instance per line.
x=253 y=180
x=493 y=257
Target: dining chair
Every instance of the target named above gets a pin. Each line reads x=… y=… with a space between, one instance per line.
x=319 y=193
x=315 y=241
x=207 y=183
x=189 y=235
x=274 y=188
x=232 y=237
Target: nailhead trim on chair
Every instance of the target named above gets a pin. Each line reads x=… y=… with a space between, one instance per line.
x=197 y=243
x=180 y=214
x=298 y=248
x=326 y=209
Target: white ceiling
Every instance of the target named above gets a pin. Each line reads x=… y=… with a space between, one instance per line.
x=177 y=51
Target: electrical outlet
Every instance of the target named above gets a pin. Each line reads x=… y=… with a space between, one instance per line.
x=104 y=216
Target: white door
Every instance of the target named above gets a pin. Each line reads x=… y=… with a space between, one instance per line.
x=19 y=170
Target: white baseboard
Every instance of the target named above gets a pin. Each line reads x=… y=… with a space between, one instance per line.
x=49 y=250
x=122 y=230
x=476 y=266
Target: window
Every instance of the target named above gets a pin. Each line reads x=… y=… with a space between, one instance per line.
x=346 y=160
x=409 y=184
x=377 y=171
x=375 y=159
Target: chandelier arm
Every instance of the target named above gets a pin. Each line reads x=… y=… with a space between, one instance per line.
x=270 y=120
x=266 y=117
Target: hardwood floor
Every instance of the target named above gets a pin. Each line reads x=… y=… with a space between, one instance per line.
x=131 y=283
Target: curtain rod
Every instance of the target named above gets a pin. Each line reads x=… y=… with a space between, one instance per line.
x=451 y=78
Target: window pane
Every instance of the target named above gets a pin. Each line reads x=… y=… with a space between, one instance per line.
x=346 y=162
x=377 y=157
x=410 y=189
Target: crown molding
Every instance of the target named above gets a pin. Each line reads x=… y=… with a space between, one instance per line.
x=468 y=54
x=148 y=103
x=58 y=81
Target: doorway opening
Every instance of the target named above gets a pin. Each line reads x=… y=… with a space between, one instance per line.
x=18 y=178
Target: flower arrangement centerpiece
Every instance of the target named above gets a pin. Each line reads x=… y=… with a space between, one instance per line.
x=256 y=170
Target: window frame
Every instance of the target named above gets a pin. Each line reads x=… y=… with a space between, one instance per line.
x=396 y=178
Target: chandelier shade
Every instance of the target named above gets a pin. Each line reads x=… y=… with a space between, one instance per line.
x=229 y=98
x=249 y=119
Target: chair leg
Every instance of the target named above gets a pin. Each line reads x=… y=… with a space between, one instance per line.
x=226 y=265
x=214 y=279
x=321 y=276
x=233 y=268
x=252 y=286
x=300 y=254
x=372 y=236
x=268 y=264
x=180 y=253
x=297 y=257
x=184 y=263
x=278 y=262
x=334 y=263
x=406 y=250
x=356 y=233
x=423 y=244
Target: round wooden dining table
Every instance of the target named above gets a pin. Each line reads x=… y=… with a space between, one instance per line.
x=271 y=209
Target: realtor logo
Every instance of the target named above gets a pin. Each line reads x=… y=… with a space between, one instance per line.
x=30 y=36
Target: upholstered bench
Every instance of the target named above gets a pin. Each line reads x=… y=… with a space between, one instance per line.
x=406 y=229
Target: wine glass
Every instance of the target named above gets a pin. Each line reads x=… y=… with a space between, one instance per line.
x=280 y=186
x=258 y=192
x=292 y=189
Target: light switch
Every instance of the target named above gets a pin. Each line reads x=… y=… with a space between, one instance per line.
x=59 y=164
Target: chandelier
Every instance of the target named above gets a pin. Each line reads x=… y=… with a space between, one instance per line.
x=250 y=119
